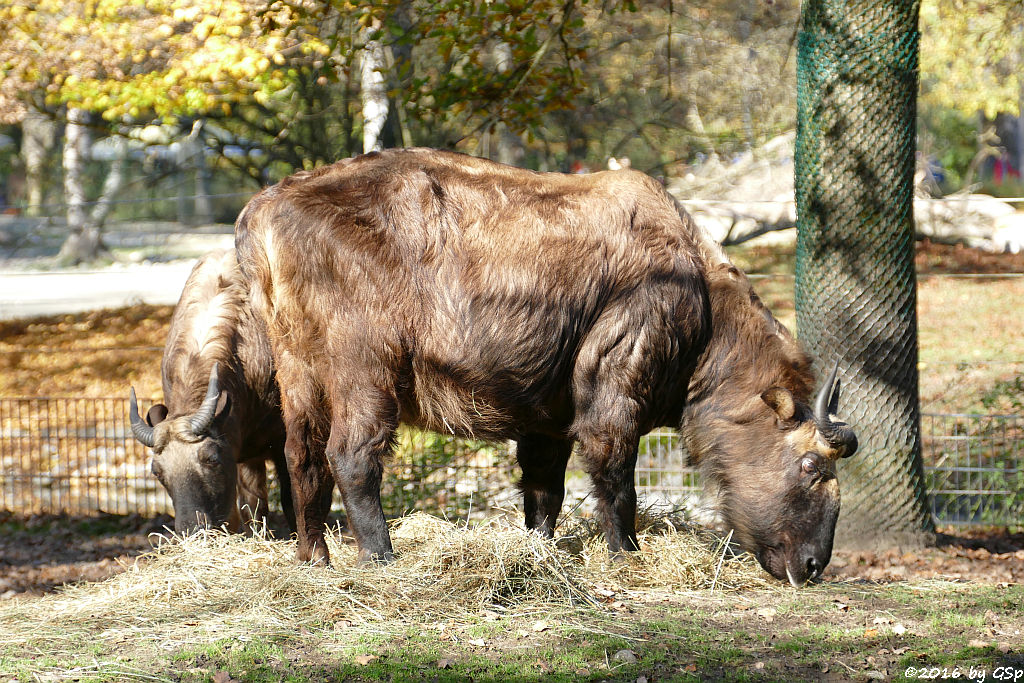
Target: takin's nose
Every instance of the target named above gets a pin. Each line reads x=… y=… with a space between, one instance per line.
x=189 y=524
x=814 y=566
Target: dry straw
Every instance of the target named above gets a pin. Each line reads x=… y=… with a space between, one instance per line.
x=214 y=580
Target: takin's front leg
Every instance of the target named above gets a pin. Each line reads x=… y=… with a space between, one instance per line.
x=284 y=485
x=251 y=494
x=543 y=460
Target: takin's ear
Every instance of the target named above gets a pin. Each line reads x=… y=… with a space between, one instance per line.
x=223 y=406
x=781 y=401
x=156 y=414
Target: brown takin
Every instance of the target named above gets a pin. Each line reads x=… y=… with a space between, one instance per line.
x=463 y=296
x=222 y=419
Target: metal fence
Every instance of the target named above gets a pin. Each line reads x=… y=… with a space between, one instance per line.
x=77 y=456
x=973 y=468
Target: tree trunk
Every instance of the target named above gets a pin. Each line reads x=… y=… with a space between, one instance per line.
x=39 y=133
x=373 y=93
x=401 y=70
x=112 y=184
x=193 y=206
x=856 y=285
x=508 y=147
x=203 y=203
x=83 y=241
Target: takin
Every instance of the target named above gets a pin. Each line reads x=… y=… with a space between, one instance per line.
x=222 y=419
x=460 y=295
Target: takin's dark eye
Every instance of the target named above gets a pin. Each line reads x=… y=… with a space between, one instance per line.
x=157 y=470
x=209 y=457
x=809 y=466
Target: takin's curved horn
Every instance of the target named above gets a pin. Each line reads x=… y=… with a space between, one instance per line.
x=839 y=435
x=142 y=431
x=203 y=418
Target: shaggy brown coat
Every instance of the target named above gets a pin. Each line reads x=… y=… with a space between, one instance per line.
x=467 y=297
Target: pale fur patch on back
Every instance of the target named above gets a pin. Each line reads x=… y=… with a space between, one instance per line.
x=208 y=312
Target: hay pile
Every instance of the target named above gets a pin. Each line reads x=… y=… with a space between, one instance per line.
x=215 y=580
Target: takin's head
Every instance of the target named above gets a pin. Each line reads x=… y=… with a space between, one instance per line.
x=192 y=459
x=776 y=473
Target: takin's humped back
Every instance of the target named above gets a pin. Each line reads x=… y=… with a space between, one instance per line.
x=468 y=297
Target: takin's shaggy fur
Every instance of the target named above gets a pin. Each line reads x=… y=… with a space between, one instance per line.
x=468 y=297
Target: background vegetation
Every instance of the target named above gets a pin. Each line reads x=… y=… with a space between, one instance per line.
x=247 y=91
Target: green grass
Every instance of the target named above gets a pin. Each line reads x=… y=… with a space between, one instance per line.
x=849 y=630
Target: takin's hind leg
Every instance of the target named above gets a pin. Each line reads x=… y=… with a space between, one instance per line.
x=543 y=460
x=308 y=471
x=359 y=442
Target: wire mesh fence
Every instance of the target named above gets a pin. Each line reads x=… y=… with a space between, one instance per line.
x=77 y=456
x=973 y=468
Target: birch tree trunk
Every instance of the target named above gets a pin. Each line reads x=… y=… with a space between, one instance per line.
x=508 y=146
x=373 y=93
x=39 y=133
x=112 y=184
x=83 y=241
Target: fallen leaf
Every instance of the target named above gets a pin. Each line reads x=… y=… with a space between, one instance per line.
x=767 y=613
x=870 y=633
x=625 y=656
x=882 y=621
x=899 y=629
x=641 y=679
x=978 y=643
x=541 y=626
x=363 y=660
x=479 y=642
x=223 y=677
x=544 y=667
x=445 y=663
x=842 y=606
x=691 y=667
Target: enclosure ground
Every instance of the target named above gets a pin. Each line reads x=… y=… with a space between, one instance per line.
x=840 y=629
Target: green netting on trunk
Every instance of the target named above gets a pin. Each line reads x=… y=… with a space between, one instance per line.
x=855 y=285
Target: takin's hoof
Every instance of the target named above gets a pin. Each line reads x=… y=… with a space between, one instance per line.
x=622 y=558
x=317 y=556
x=365 y=557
